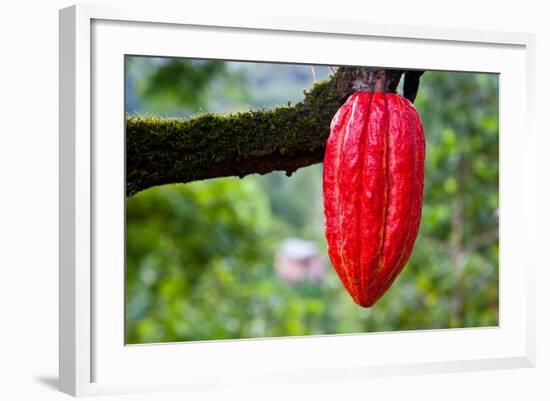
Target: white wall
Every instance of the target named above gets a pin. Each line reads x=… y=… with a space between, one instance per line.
x=28 y=206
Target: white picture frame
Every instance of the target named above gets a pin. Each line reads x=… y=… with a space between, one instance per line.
x=93 y=356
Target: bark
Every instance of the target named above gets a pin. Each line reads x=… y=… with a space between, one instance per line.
x=167 y=151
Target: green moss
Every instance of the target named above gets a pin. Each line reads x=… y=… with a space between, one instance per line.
x=169 y=150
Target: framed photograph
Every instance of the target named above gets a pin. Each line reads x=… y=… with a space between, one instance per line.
x=266 y=200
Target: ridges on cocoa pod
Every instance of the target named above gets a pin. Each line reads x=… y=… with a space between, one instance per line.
x=373 y=183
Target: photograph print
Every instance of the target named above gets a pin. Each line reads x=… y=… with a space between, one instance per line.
x=274 y=200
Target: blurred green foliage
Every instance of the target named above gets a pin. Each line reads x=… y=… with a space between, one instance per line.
x=199 y=257
x=179 y=87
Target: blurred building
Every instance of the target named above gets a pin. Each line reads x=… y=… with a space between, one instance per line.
x=299 y=260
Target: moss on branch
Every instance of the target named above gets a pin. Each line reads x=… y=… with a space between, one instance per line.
x=165 y=151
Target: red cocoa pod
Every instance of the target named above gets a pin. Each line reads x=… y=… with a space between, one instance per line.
x=373 y=184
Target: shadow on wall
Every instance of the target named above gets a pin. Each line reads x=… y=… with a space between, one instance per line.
x=52 y=382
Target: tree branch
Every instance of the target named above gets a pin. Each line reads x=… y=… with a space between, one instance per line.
x=166 y=151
